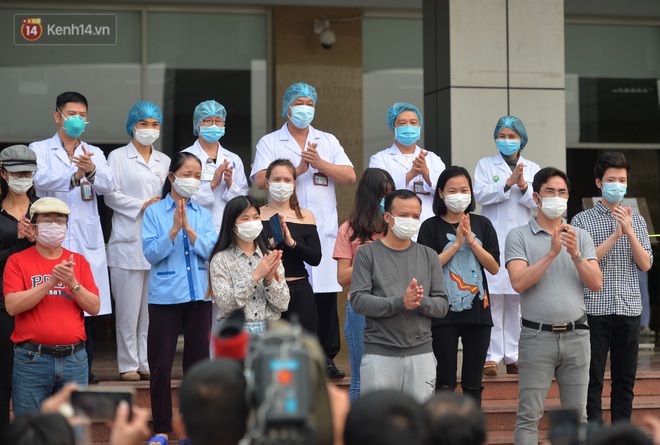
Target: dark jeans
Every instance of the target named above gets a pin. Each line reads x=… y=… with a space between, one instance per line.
x=475 y=339
x=302 y=305
x=619 y=335
x=326 y=305
x=165 y=323
x=6 y=368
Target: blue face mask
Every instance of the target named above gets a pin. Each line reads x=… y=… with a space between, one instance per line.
x=614 y=191
x=302 y=115
x=407 y=135
x=212 y=133
x=382 y=206
x=74 y=125
x=508 y=147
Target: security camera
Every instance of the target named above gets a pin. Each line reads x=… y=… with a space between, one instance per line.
x=327 y=38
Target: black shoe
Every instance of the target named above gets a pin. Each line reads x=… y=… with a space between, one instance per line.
x=93 y=379
x=334 y=373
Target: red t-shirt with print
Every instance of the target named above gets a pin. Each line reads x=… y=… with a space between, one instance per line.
x=56 y=319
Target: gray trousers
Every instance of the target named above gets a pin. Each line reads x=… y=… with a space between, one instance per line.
x=413 y=374
x=542 y=356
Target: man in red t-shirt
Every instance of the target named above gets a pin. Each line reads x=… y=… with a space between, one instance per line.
x=47 y=288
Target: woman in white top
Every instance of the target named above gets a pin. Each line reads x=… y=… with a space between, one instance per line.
x=140 y=171
x=410 y=166
x=501 y=187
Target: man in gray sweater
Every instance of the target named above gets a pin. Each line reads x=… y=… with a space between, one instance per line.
x=398 y=285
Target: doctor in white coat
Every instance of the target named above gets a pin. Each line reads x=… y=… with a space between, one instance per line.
x=503 y=188
x=139 y=172
x=76 y=172
x=223 y=175
x=320 y=163
x=411 y=167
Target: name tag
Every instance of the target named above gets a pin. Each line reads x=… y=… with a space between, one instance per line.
x=320 y=179
x=419 y=188
x=207 y=174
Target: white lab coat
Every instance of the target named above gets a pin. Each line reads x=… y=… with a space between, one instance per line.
x=320 y=200
x=215 y=200
x=505 y=210
x=84 y=235
x=397 y=165
x=137 y=181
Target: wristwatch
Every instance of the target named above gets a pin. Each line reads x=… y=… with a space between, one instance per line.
x=578 y=258
x=75 y=289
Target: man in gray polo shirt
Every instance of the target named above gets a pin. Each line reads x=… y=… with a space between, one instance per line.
x=548 y=262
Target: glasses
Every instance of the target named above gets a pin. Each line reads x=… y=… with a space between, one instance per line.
x=17 y=175
x=61 y=220
x=209 y=122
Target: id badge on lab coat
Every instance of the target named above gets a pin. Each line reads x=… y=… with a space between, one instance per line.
x=86 y=193
x=207 y=174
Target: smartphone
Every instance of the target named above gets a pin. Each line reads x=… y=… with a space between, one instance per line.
x=100 y=403
x=276 y=228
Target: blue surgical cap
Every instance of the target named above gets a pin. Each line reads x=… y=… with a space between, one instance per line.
x=516 y=125
x=295 y=91
x=141 y=111
x=206 y=109
x=397 y=109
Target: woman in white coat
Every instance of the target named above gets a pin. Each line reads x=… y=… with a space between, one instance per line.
x=140 y=172
x=410 y=166
x=502 y=186
x=76 y=172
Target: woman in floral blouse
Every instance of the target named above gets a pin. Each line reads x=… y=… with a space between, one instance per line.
x=243 y=272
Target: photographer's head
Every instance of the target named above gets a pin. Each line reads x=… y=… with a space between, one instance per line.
x=456 y=420
x=40 y=429
x=213 y=405
x=386 y=417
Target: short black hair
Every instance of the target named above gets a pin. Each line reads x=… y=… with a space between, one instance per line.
x=543 y=175
x=439 y=207
x=456 y=420
x=213 y=403
x=70 y=96
x=401 y=194
x=611 y=159
x=386 y=417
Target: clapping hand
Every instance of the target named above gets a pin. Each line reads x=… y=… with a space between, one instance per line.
x=413 y=296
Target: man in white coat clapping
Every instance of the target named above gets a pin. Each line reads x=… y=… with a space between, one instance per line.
x=320 y=163
x=411 y=167
x=76 y=172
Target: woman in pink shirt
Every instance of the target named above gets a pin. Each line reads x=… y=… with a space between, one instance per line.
x=365 y=225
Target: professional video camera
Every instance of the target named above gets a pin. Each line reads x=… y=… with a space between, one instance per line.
x=285 y=371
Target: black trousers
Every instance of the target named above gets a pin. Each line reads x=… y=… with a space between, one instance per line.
x=6 y=368
x=326 y=305
x=619 y=335
x=165 y=323
x=302 y=306
x=475 y=339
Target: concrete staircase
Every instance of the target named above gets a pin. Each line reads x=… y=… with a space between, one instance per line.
x=500 y=403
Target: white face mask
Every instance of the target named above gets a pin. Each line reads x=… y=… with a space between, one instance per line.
x=186 y=187
x=249 y=231
x=19 y=185
x=553 y=207
x=145 y=136
x=280 y=191
x=458 y=202
x=405 y=228
x=51 y=234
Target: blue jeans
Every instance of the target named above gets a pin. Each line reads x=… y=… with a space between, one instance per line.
x=38 y=376
x=542 y=356
x=354 y=332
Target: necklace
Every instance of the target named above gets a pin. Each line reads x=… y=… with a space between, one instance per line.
x=283 y=209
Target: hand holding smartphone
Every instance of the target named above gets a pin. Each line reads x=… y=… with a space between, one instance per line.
x=276 y=228
x=100 y=403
